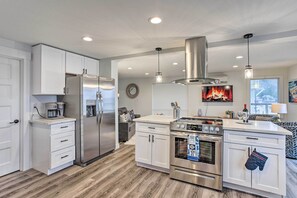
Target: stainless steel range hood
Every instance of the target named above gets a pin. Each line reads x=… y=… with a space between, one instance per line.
x=196 y=62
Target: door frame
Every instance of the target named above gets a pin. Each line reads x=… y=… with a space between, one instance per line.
x=25 y=97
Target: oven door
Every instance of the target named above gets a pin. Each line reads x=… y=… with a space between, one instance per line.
x=210 y=157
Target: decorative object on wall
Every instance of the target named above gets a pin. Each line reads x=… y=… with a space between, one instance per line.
x=293 y=91
x=132 y=90
x=158 y=73
x=248 y=71
x=217 y=93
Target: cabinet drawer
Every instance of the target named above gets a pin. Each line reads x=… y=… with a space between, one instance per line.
x=63 y=127
x=153 y=128
x=257 y=139
x=61 y=157
x=62 y=140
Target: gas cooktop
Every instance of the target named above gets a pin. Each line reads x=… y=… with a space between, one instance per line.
x=198 y=124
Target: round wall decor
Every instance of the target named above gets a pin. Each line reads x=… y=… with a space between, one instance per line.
x=132 y=90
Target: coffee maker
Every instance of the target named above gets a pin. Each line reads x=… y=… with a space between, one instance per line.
x=54 y=110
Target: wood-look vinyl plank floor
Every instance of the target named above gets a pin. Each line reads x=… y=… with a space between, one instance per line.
x=117 y=175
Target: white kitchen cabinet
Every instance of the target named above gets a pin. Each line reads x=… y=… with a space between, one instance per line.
x=272 y=179
x=160 y=150
x=53 y=146
x=235 y=156
x=143 y=153
x=152 y=146
x=92 y=66
x=48 y=70
x=76 y=63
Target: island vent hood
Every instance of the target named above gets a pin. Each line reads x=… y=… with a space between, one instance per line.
x=196 y=62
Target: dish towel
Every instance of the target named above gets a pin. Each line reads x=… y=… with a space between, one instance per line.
x=256 y=159
x=193 y=148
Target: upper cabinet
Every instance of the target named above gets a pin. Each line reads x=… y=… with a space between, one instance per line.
x=76 y=63
x=48 y=70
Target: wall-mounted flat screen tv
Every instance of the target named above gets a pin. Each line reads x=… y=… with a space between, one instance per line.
x=217 y=93
x=293 y=91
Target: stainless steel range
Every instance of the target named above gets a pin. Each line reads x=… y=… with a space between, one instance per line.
x=207 y=171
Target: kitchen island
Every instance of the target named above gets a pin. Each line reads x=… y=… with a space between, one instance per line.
x=240 y=140
x=152 y=148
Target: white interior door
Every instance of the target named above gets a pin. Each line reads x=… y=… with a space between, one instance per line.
x=9 y=111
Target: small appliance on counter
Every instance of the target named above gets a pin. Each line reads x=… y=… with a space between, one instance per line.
x=54 y=110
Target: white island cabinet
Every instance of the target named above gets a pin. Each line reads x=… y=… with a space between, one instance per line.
x=239 y=142
x=53 y=144
x=152 y=149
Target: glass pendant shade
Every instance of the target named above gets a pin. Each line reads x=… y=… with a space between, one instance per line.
x=159 y=77
x=248 y=72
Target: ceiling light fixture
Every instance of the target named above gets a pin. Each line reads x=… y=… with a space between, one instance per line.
x=184 y=70
x=239 y=57
x=175 y=63
x=87 y=38
x=248 y=71
x=155 y=20
x=129 y=68
x=158 y=73
x=147 y=74
x=235 y=66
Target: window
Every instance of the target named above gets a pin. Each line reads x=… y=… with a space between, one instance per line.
x=263 y=92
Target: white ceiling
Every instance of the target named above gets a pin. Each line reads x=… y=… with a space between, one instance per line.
x=121 y=27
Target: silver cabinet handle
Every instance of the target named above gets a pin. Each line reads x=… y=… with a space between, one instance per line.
x=64 y=141
x=64 y=156
x=149 y=138
x=249 y=151
x=151 y=127
x=14 y=122
x=251 y=138
x=63 y=127
x=153 y=138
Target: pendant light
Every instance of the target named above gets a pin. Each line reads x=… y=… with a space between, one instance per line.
x=158 y=73
x=248 y=71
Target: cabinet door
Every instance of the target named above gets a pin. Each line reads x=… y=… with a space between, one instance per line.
x=273 y=177
x=160 y=150
x=143 y=148
x=52 y=71
x=234 y=170
x=92 y=66
x=74 y=63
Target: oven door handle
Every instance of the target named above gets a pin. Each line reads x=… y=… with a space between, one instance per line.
x=201 y=137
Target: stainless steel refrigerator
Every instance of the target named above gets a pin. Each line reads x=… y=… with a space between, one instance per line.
x=91 y=100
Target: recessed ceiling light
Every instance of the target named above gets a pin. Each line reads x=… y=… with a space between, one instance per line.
x=184 y=70
x=129 y=68
x=155 y=20
x=175 y=63
x=235 y=66
x=87 y=38
x=147 y=74
x=239 y=57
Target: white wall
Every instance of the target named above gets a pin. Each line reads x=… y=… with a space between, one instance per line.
x=142 y=104
x=292 y=107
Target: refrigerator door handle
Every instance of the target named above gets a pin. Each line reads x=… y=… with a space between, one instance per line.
x=101 y=108
x=97 y=107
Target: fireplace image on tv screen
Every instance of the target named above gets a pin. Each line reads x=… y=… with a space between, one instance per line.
x=217 y=93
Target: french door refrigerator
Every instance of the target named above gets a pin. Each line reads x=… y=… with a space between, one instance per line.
x=91 y=100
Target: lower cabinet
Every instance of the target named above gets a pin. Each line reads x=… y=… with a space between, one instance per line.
x=152 y=149
x=53 y=146
x=272 y=179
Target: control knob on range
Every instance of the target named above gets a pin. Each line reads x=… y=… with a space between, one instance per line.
x=217 y=129
x=211 y=129
x=182 y=126
x=177 y=126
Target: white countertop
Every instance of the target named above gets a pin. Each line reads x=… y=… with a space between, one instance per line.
x=52 y=121
x=255 y=126
x=156 y=119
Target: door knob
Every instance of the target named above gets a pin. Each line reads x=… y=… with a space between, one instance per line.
x=14 y=122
